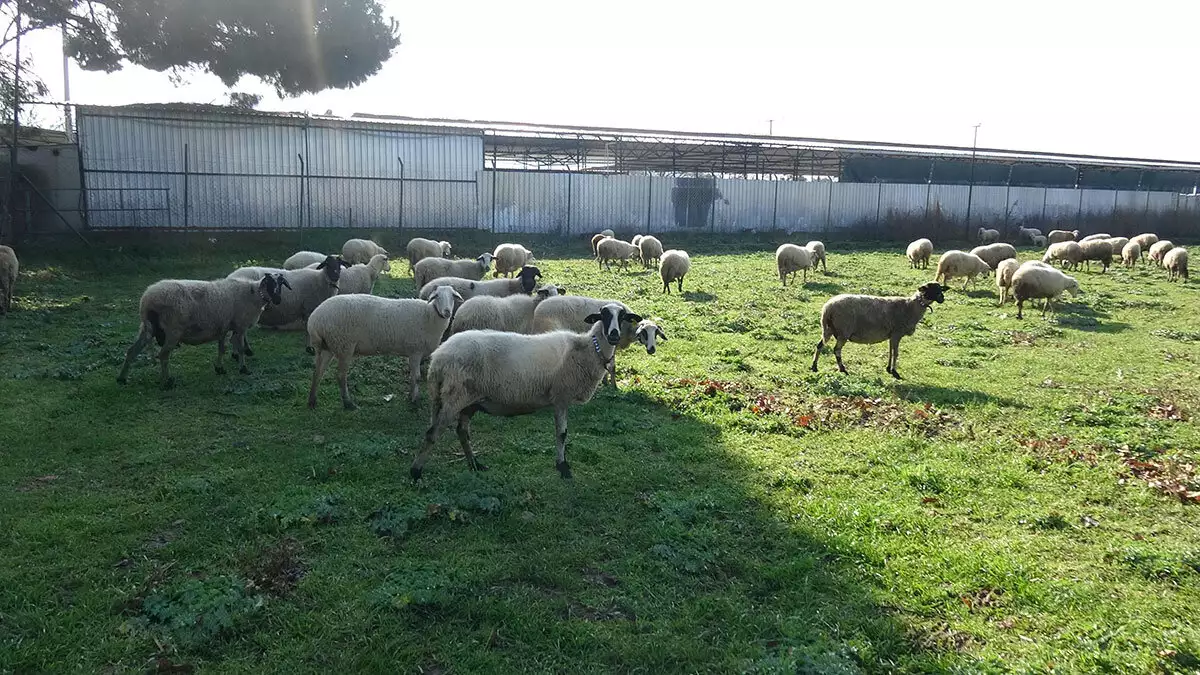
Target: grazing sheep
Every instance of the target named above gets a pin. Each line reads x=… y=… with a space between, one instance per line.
x=674 y=265
x=310 y=287
x=523 y=283
x=1117 y=244
x=918 y=253
x=302 y=259
x=867 y=319
x=567 y=313
x=182 y=311
x=817 y=249
x=428 y=269
x=510 y=258
x=789 y=259
x=611 y=249
x=1099 y=250
x=362 y=278
x=1039 y=241
x=1159 y=249
x=9 y=267
x=347 y=326
x=356 y=251
x=419 y=249
x=956 y=263
x=608 y=233
x=512 y=313
x=992 y=254
x=650 y=249
x=1146 y=240
x=1057 y=236
x=1094 y=237
x=1131 y=253
x=636 y=241
x=987 y=236
x=1028 y=233
x=1004 y=274
x=1069 y=253
x=1176 y=262
x=1040 y=281
x=599 y=238
x=507 y=374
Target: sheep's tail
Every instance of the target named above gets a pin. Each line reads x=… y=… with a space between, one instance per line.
x=154 y=323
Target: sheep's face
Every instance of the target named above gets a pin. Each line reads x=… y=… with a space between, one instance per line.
x=529 y=276
x=648 y=333
x=333 y=265
x=444 y=300
x=547 y=291
x=1073 y=286
x=933 y=292
x=445 y=248
x=486 y=261
x=387 y=265
x=270 y=289
x=610 y=317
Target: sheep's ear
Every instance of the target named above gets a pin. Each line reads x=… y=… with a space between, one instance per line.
x=591 y=318
x=457 y=296
x=631 y=317
x=346 y=264
x=945 y=288
x=322 y=265
x=661 y=335
x=283 y=281
x=562 y=290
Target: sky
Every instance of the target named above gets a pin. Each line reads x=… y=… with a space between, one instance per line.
x=1054 y=75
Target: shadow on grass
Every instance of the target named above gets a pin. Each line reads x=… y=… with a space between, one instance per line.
x=821 y=287
x=943 y=396
x=698 y=296
x=1086 y=318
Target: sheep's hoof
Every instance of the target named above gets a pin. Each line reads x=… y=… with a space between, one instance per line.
x=249 y=352
x=312 y=403
x=814 y=368
x=220 y=370
x=414 y=473
x=168 y=383
x=122 y=380
x=843 y=370
x=895 y=375
x=243 y=370
x=310 y=351
x=349 y=405
x=478 y=467
x=564 y=469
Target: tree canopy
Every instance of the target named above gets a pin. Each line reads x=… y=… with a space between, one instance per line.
x=296 y=46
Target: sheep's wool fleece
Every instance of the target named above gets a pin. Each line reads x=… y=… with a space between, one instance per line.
x=369 y=324
x=867 y=319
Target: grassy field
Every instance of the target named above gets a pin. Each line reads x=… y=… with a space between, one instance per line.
x=1018 y=503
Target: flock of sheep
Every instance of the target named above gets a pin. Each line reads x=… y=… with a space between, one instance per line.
x=511 y=345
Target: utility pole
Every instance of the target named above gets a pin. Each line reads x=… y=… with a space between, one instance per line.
x=12 y=143
x=770 y=127
x=971 y=186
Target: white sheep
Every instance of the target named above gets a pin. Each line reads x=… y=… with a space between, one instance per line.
x=523 y=283
x=608 y=250
x=185 y=311
x=1117 y=244
x=419 y=248
x=817 y=249
x=1028 y=233
x=428 y=269
x=1004 y=274
x=868 y=319
x=956 y=263
x=992 y=254
x=567 y=312
x=512 y=313
x=637 y=239
x=608 y=233
x=510 y=258
x=1146 y=240
x=1040 y=281
x=348 y=326
x=918 y=253
x=1039 y=240
x=362 y=278
x=987 y=236
x=1099 y=250
x=650 y=250
x=309 y=288
x=789 y=259
x=1094 y=237
x=507 y=374
x=9 y=267
x=1131 y=253
x=674 y=265
x=303 y=259
x=1159 y=249
x=1069 y=253
x=1176 y=262
x=596 y=239
x=1057 y=236
x=356 y=251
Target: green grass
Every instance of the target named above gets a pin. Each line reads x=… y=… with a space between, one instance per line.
x=1010 y=506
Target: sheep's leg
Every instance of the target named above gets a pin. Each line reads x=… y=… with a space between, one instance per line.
x=817 y=353
x=440 y=418
x=218 y=366
x=611 y=377
x=837 y=352
x=414 y=377
x=560 y=441
x=805 y=275
x=143 y=339
x=783 y=278
x=680 y=284
x=238 y=342
x=164 y=358
x=464 y=438
x=319 y=366
x=344 y=361
x=1020 y=306
x=667 y=287
x=894 y=357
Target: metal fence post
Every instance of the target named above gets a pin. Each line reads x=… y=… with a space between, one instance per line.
x=493 y=228
x=1045 y=195
x=878 y=203
x=649 y=198
x=775 y=208
x=829 y=208
x=568 y=232
x=187 y=221
x=400 y=217
x=300 y=204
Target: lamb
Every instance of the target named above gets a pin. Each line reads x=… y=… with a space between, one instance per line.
x=431 y=268
x=302 y=259
x=817 y=249
x=510 y=258
x=356 y=251
x=1117 y=244
x=1131 y=253
x=960 y=264
x=1146 y=240
x=1039 y=241
x=1028 y=233
x=867 y=319
x=1159 y=249
x=1094 y=237
x=1097 y=249
x=1004 y=274
x=992 y=254
x=611 y=249
x=1040 y=281
x=789 y=259
x=674 y=265
x=650 y=248
x=523 y=284
x=347 y=326
x=599 y=238
x=9 y=267
x=918 y=253
x=175 y=311
x=1057 y=236
x=1176 y=262
x=310 y=287
x=419 y=248
x=512 y=314
x=1069 y=253
x=507 y=374
x=567 y=313
x=987 y=236
x=362 y=278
